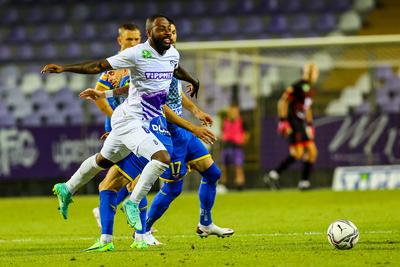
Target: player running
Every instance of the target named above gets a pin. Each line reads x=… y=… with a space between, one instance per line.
x=296 y=124
x=151 y=68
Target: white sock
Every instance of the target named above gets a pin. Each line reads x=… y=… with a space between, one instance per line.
x=105 y=238
x=149 y=175
x=138 y=237
x=84 y=174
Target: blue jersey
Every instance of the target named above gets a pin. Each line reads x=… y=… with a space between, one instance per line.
x=187 y=147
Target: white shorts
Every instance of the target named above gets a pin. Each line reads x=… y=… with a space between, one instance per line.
x=128 y=136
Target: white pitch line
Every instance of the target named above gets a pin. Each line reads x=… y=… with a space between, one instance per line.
x=31 y=240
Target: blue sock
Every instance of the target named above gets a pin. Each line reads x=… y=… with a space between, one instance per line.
x=108 y=204
x=207 y=192
x=161 y=202
x=143 y=215
x=122 y=194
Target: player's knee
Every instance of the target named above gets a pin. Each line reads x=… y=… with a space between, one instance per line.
x=103 y=162
x=172 y=189
x=162 y=156
x=212 y=174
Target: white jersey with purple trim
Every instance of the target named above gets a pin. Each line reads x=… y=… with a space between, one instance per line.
x=150 y=78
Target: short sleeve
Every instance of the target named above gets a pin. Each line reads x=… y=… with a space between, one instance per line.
x=103 y=81
x=123 y=60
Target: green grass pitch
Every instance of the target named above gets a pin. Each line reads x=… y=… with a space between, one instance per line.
x=286 y=228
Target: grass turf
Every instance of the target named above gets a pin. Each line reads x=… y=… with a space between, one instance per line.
x=286 y=228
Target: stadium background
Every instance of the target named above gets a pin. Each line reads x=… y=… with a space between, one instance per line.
x=251 y=49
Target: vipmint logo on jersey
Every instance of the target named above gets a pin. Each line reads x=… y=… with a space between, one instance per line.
x=162 y=75
x=146 y=54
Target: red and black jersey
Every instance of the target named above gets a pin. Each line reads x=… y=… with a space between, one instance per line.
x=300 y=99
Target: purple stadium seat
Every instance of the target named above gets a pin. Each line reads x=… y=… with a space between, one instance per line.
x=268 y=6
x=383 y=72
x=7 y=121
x=48 y=50
x=40 y=33
x=315 y=6
x=73 y=49
x=277 y=24
x=184 y=26
x=63 y=32
x=17 y=34
x=205 y=26
x=245 y=7
x=102 y=11
x=151 y=7
x=229 y=25
x=46 y=108
x=34 y=14
x=32 y=120
x=174 y=8
x=80 y=12
x=10 y=16
x=197 y=8
x=127 y=10
x=300 y=23
x=55 y=119
x=290 y=6
x=87 y=31
x=97 y=49
x=25 y=52
x=253 y=24
x=340 y=5
x=56 y=13
x=220 y=7
x=326 y=22
x=40 y=96
x=5 y=52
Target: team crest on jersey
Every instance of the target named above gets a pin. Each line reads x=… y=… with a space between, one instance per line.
x=173 y=63
x=146 y=54
x=306 y=87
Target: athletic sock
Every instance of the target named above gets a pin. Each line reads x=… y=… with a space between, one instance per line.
x=105 y=238
x=307 y=168
x=122 y=194
x=108 y=202
x=161 y=202
x=84 y=174
x=143 y=215
x=207 y=193
x=285 y=164
x=149 y=175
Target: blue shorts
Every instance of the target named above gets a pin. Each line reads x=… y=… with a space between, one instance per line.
x=187 y=149
x=131 y=166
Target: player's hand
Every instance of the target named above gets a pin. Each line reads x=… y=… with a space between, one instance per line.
x=205 y=118
x=204 y=134
x=104 y=136
x=284 y=128
x=310 y=131
x=92 y=94
x=52 y=68
x=193 y=89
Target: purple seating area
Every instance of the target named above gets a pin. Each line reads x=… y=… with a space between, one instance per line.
x=45 y=29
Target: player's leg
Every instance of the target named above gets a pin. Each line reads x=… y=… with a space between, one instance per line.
x=112 y=151
x=308 y=164
x=169 y=191
x=199 y=159
x=152 y=149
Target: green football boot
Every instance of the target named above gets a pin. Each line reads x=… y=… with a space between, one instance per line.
x=142 y=244
x=64 y=198
x=100 y=247
x=132 y=213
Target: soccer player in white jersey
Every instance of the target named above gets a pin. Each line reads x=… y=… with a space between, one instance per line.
x=151 y=67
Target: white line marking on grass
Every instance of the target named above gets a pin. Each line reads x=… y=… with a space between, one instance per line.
x=28 y=240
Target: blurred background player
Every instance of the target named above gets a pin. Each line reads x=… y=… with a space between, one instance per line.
x=234 y=136
x=188 y=152
x=296 y=125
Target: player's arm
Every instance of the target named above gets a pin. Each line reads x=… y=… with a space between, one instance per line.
x=200 y=131
x=205 y=118
x=90 y=67
x=310 y=130
x=283 y=108
x=181 y=74
x=102 y=103
x=95 y=94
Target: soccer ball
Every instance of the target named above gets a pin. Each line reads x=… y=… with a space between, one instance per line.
x=343 y=234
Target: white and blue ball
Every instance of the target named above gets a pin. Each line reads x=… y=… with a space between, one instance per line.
x=343 y=234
